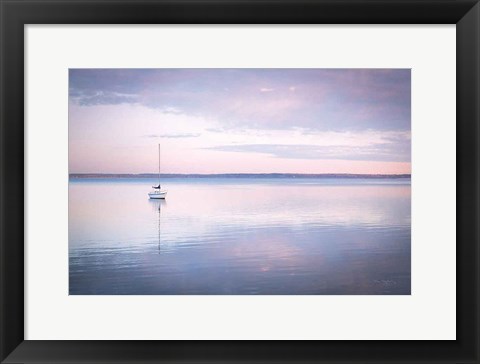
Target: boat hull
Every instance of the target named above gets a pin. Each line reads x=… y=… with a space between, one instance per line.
x=156 y=195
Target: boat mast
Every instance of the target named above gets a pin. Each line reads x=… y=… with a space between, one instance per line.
x=158 y=164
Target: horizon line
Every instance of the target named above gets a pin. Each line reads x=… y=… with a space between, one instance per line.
x=166 y=175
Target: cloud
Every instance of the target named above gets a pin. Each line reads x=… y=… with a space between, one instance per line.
x=85 y=98
x=215 y=130
x=184 y=135
x=316 y=99
x=378 y=152
x=171 y=110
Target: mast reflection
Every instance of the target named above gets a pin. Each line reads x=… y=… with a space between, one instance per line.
x=157 y=205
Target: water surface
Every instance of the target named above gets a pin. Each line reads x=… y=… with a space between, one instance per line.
x=240 y=236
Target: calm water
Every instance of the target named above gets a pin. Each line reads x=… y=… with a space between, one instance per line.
x=240 y=236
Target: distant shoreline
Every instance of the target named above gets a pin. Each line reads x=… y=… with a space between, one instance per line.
x=237 y=175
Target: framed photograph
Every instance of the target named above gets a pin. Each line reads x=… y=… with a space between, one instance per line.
x=239 y=181
x=273 y=201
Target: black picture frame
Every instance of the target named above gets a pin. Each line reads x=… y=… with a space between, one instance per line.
x=15 y=14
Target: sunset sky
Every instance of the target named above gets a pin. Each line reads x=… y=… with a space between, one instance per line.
x=240 y=120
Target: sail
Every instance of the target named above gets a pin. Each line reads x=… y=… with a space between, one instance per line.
x=156 y=187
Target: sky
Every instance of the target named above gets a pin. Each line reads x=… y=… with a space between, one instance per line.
x=240 y=120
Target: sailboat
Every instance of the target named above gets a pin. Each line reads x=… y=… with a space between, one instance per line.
x=157 y=191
